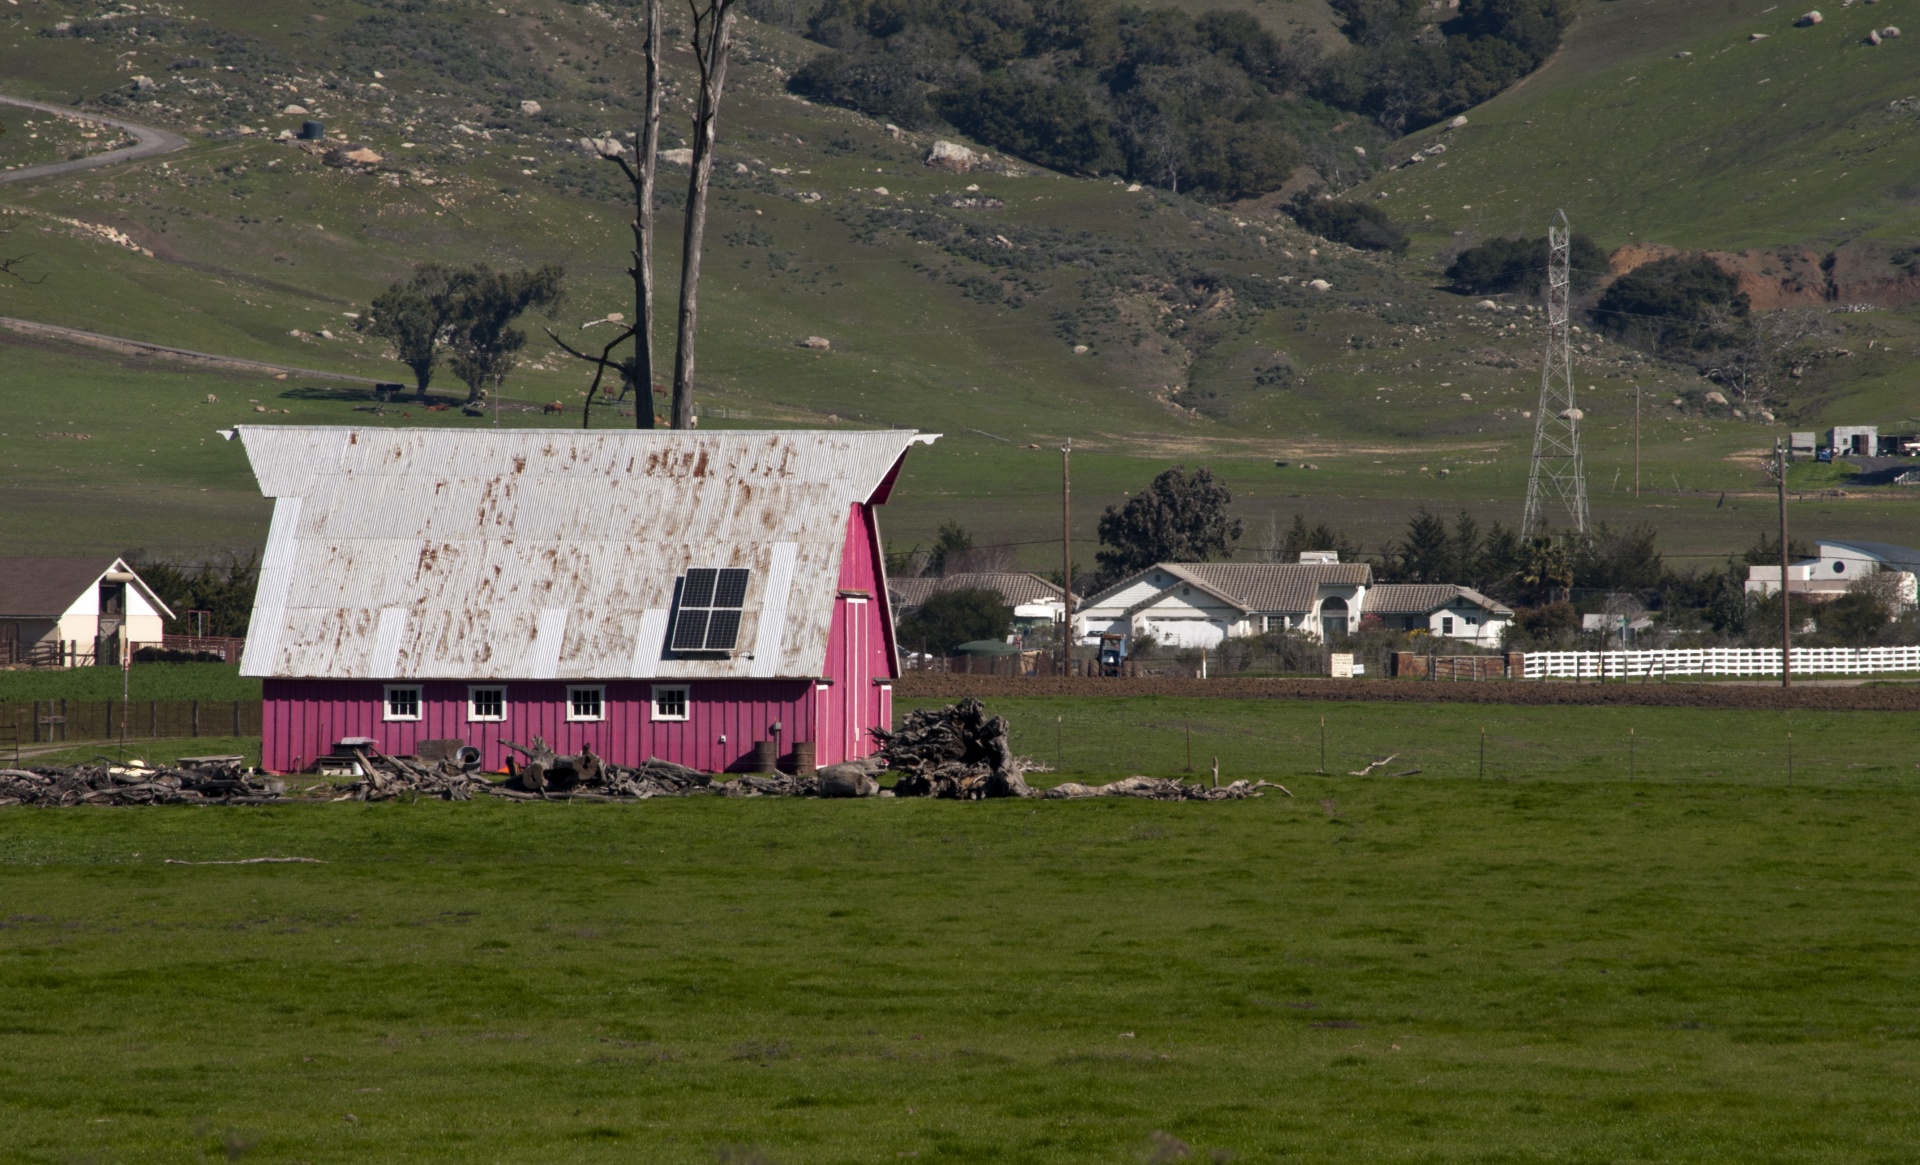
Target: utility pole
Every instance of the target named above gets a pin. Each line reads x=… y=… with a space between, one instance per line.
x=1786 y=617
x=1066 y=558
x=1636 y=440
x=1556 y=467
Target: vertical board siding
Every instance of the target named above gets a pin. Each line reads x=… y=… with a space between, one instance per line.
x=302 y=720
x=859 y=648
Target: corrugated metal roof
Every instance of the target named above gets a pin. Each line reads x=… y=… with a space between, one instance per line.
x=1289 y=587
x=1424 y=598
x=535 y=554
x=1014 y=588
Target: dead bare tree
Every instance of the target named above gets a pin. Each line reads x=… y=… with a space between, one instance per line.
x=641 y=175
x=712 y=38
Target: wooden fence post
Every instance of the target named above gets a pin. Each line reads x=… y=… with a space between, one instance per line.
x=196 y=717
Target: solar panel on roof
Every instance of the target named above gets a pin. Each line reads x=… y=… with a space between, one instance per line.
x=711 y=602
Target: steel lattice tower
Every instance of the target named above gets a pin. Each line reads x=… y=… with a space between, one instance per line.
x=1556 y=471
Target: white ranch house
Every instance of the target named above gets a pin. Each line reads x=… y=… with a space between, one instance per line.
x=1199 y=604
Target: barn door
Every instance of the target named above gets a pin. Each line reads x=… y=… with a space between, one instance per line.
x=859 y=677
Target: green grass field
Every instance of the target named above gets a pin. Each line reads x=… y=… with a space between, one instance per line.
x=145 y=681
x=1556 y=963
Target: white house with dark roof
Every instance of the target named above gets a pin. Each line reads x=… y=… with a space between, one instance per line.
x=76 y=609
x=1198 y=604
x=1443 y=609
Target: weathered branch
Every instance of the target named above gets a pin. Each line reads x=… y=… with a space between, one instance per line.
x=8 y=267
x=712 y=38
x=601 y=363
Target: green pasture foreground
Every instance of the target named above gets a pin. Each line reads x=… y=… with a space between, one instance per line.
x=1279 y=739
x=1430 y=970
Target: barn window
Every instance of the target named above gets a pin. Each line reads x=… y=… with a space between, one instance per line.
x=486 y=705
x=670 y=701
x=403 y=702
x=710 y=604
x=584 y=703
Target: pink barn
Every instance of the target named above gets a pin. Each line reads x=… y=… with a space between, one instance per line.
x=648 y=594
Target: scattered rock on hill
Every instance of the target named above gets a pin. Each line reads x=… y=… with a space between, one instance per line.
x=680 y=157
x=608 y=147
x=817 y=343
x=952 y=156
x=1715 y=398
x=530 y=108
x=1320 y=285
x=1809 y=20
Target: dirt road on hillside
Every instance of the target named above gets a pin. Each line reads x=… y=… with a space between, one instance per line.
x=149 y=142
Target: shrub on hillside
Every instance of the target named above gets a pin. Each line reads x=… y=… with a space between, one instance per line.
x=1357 y=224
x=1678 y=306
x=1498 y=266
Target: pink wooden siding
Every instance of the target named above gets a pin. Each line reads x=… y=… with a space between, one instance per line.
x=859 y=649
x=303 y=719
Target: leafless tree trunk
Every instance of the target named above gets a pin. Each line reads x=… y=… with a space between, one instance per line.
x=712 y=36
x=642 y=272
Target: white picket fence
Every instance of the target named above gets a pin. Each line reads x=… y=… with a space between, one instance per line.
x=1718 y=661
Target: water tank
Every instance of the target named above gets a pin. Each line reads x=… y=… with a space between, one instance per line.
x=312 y=131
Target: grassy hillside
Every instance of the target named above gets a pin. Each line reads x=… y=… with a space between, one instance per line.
x=1738 y=143
x=954 y=302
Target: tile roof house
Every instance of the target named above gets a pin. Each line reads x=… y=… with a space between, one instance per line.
x=1442 y=609
x=76 y=609
x=646 y=593
x=1198 y=604
x=1032 y=598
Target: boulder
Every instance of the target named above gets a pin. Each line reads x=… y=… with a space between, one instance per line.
x=852 y=778
x=1573 y=414
x=1873 y=36
x=143 y=84
x=1320 y=285
x=1809 y=19
x=295 y=111
x=817 y=343
x=364 y=157
x=1457 y=122
x=952 y=156
x=1715 y=398
x=1890 y=32
x=1487 y=305
x=680 y=157
x=602 y=147
x=1753 y=36
x=530 y=108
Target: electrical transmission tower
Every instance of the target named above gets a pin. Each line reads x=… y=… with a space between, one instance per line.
x=1555 y=471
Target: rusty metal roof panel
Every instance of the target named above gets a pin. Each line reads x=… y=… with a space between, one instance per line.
x=533 y=554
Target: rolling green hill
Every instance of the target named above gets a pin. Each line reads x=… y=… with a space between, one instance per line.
x=954 y=302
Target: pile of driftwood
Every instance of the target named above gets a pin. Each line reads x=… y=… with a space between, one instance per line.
x=540 y=774
x=195 y=780
x=957 y=752
x=1163 y=789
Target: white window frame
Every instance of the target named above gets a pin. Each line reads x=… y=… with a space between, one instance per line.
x=474 y=717
x=684 y=691
x=600 y=700
x=386 y=703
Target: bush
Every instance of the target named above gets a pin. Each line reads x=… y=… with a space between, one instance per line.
x=1357 y=224
x=1052 y=124
x=949 y=618
x=1498 y=266
x=1675 y=306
